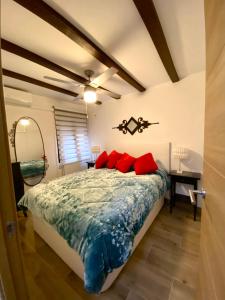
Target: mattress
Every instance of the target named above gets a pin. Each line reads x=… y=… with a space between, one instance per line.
x=98 y=213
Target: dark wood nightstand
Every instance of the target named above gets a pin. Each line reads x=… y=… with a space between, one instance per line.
x=187 y=178
x=90 y=164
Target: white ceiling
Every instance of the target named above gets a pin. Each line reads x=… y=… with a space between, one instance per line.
x=117 y=28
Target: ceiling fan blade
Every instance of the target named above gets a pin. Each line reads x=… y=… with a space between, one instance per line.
x=61 y=80
x=56 y=79
x=104 y=91
x=79 y=89
x=82 y=99
x=79 y=98
x=99 y=80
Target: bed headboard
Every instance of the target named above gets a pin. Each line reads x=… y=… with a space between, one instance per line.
x=161 y=152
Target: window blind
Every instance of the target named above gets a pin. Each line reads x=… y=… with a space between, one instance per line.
x=72 y=136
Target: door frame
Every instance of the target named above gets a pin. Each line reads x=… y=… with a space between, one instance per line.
x=12 y=275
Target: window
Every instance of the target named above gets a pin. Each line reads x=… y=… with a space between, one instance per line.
x=72 y=136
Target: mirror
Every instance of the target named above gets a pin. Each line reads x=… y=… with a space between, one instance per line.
x=29 y=150
x=132 y=126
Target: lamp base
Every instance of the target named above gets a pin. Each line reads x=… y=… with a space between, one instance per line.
x=179 y=171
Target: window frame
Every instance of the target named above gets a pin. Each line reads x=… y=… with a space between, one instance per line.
x=82 y=126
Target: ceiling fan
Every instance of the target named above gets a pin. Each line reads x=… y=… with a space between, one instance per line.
x=90 y=89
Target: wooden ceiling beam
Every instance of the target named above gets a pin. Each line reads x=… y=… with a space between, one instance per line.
x=151 y=20
x=37 y=82
x=22 y=52
x=35 y=58
x=49 y=15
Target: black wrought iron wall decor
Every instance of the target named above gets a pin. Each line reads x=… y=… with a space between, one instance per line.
x=133 y=125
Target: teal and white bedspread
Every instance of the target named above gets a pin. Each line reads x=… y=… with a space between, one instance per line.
x=32 y=168
x=98 y=212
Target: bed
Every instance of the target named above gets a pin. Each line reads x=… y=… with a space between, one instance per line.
x=94 y=219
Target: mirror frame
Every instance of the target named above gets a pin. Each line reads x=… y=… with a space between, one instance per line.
x=12 y=135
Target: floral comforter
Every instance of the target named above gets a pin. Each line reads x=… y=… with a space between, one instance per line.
x=32 y=168
x=98 y=212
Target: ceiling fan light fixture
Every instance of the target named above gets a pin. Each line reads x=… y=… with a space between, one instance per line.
x=90 y=95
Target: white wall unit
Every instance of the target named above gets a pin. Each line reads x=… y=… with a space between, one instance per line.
x=17 y=97
x=179 y=108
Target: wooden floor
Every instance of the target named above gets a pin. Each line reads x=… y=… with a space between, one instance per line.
x=163 y=267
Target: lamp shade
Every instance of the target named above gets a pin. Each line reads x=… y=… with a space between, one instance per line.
x=95 y=149
x=180 y=153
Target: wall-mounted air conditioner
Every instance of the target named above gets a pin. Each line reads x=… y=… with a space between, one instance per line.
x=17 y=97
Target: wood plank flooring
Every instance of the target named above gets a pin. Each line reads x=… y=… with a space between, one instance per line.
x=163 y=267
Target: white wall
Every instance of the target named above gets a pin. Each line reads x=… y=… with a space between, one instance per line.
x=41 y=111
x=178 y=107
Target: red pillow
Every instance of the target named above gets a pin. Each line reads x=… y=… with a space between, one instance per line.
x=101 y=161
x=145 y=164
x=114 y=156
x=125 y=163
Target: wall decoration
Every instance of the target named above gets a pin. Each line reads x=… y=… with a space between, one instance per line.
x=133 y=125
x=12 y=134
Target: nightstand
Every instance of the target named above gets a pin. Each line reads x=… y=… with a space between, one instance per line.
x=90 y=164
x=187 y=178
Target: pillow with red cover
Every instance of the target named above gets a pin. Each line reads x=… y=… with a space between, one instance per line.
x=101 y=161
x=145 y=164
x=125 y=163
x=114 y=156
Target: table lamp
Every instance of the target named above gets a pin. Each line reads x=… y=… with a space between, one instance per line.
x=180 y=153
x=95 y=150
